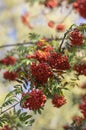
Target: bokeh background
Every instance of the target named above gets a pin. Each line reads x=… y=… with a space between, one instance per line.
x=14 y=30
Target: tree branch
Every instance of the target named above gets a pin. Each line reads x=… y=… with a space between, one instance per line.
x=63 y=40
x=18 y=44
x=26 y=43
x=65 y=17
x=9 y=108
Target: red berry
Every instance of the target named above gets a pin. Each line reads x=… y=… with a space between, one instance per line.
x=75 y=5
x=51 y=3
x=25 y=19
x=51 y=24
x=60 y=27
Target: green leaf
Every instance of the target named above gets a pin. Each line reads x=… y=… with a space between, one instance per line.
x=9 y=102
x=34 y=36
x=24 y=82
x=24 y=79
x=3 y=120
x=24 y=117
x=18 y=112
x=24 y=99
x=19 y=80
x=59 y=91
x=25 y=86
x=65 y=89
x=39 y=111
x=10 y=94
x=32 y=121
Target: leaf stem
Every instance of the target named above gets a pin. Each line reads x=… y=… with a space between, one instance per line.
x=9 y=108
x=63 y=40
x=18 y=44
x=14 y=127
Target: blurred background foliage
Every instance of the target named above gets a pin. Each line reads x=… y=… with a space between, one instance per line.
x=13 y=30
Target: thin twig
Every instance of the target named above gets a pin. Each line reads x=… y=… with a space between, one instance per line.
x=66 y=16
x=9 y=108
x=18 y=44
x=14 y=127
x=26 y=43
x=63 y=40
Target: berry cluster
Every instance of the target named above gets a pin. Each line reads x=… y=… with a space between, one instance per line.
x=81 y=7
x=78 y=119
x=34 y=99
x=51 y=3
x=10 y=60
x=83 y=108
x=76 y=38
x=41 y=72
x=57 y=61
x=80 y=68
x=6 y=127
x=42 y=53
x=48 y=48
x=45 y=69
x=44 y=46
x=58 y=101
x=41 y=44
x=42 y=56
x=10 y=75
x=76 y=124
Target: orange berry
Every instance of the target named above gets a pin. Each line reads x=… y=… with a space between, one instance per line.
x=60 y=27
x=51 y=24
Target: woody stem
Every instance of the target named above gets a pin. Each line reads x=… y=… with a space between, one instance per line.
x=9 y=108
x=63 y=40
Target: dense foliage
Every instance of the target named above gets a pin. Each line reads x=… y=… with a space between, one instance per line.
x=40 y=70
